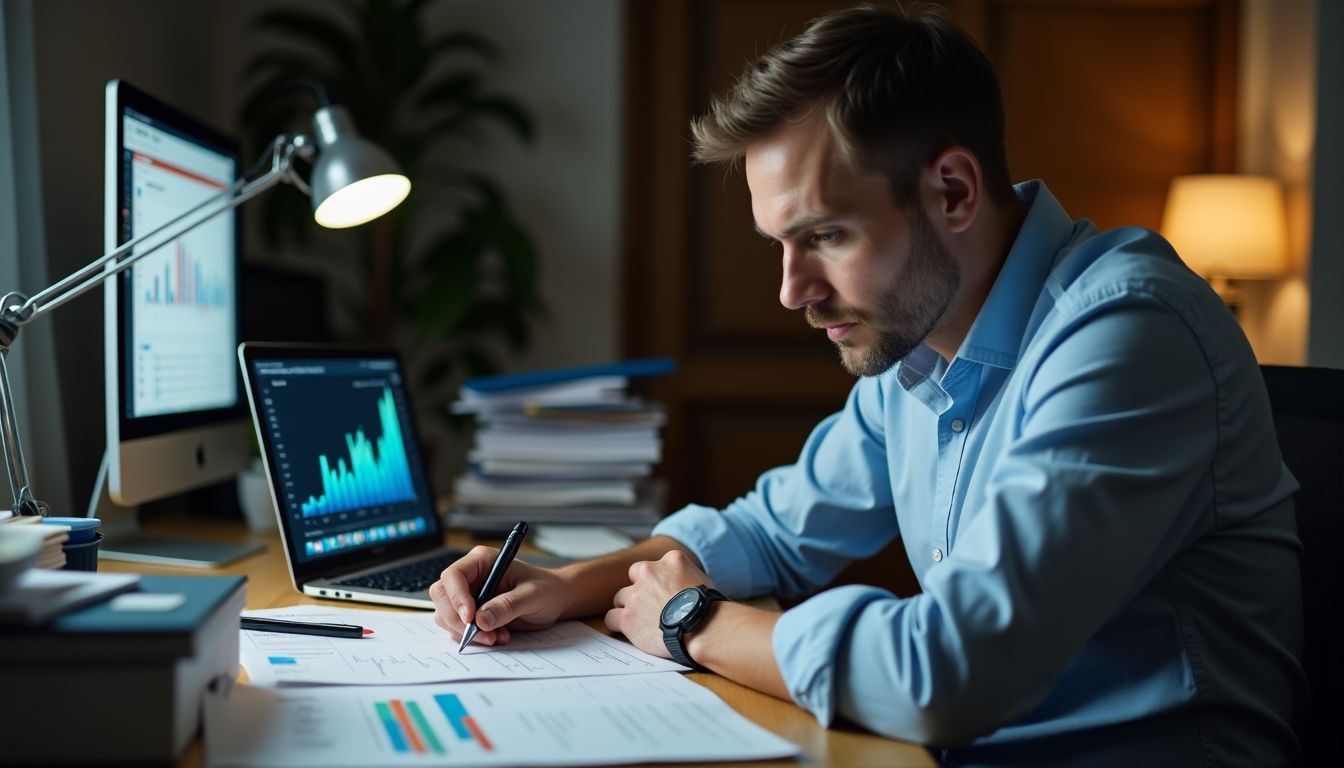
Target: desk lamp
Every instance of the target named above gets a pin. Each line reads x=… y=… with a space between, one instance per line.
x=1228 y=227
x=352 y=182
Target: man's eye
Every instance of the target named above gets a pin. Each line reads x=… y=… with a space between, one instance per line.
x=825 y=238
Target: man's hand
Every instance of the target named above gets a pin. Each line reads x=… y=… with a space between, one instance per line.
x=652 y=584
x=528 y=597
x=734 y=640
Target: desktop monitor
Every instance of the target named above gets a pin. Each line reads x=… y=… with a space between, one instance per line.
x=174 y=404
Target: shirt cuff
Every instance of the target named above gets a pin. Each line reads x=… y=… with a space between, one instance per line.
x=713 y=541
x=807 y=643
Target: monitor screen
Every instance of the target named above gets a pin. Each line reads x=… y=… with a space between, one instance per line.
x=175 y=417
x=181 y=317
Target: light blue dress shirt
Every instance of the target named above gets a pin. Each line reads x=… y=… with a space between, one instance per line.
x=1094 y=504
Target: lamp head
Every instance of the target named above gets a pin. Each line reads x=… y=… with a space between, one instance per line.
x=353 y=181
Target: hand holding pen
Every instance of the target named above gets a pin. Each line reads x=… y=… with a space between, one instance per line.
x=492 y=579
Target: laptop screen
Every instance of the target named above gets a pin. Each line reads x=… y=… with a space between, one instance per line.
x=342 y=454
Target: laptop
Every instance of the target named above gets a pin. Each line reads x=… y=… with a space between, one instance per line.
x=356 y=511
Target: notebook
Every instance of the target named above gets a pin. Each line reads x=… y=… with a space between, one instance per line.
x=356 y=512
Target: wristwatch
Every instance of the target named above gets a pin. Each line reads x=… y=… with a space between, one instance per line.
x=683 y=613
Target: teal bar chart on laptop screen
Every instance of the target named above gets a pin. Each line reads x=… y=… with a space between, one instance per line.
x=344 y=452
x=377 y=472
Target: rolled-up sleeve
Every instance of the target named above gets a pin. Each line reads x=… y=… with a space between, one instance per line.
x=804 y=522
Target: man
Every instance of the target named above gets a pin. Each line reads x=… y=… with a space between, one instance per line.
x=1065 y=427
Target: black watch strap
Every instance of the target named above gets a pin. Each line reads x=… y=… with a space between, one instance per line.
x=673 y=640
x=675 y=637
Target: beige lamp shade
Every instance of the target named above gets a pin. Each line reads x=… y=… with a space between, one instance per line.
x=1228 y=226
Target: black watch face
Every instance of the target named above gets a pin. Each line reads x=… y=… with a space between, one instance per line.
x=680 y=606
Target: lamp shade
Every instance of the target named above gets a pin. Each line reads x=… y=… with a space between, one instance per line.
x=1228 y=226
x=353 y=181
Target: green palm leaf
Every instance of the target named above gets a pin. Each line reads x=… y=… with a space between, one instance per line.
x=461 y=42
x=452 y=92
x=318 y=31
x=275 y=65
x=468 y=290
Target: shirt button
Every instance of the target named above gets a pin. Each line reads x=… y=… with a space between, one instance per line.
x=958 y=425
x=937 y=555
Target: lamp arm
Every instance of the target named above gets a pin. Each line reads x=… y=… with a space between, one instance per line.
x=17 y=471
x=17 y=310
x=282 y=152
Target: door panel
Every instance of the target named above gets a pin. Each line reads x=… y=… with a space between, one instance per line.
x=1106 y=100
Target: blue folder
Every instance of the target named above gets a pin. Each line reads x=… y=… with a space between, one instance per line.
x=648 y=366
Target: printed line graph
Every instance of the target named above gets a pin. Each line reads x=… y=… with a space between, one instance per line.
x=413 y=650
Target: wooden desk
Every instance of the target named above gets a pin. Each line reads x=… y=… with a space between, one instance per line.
x=268 y=586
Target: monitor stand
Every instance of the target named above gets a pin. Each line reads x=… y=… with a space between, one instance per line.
x=123 y=540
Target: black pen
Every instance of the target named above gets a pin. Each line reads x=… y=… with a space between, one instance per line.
x=506 y=554
x=304 y=627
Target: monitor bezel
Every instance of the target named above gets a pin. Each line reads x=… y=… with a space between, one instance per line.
x=334 y=565
x=129 y=428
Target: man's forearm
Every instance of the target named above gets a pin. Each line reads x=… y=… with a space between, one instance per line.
x=592 y=583
x=735 y=640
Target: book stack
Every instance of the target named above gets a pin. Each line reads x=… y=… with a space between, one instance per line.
x=50 y=553
x=566 y=446
x=128 y=674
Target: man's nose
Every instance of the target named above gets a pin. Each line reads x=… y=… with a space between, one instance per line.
x=803 y=283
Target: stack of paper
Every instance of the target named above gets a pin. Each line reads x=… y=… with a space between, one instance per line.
x=403 y=695
x=564 y=446
x=51 y=554
x=579 y=542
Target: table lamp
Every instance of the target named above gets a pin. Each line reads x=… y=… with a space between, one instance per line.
x=352 y=182
x=1228 y=227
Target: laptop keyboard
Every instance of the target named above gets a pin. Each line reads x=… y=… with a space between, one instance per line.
x=415 y=576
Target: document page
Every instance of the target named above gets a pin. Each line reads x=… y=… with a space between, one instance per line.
x=410 y=648
x=575 y=721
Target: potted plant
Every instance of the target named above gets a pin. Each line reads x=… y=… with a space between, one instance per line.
x=451 y=273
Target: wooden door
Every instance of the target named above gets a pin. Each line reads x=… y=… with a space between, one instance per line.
x=1106 y=100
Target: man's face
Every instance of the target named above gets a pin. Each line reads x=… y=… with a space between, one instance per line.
x=873 y=275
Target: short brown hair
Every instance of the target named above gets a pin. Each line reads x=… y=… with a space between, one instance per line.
x=898 y=87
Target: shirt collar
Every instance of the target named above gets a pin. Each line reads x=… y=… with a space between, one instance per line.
x=995 y=337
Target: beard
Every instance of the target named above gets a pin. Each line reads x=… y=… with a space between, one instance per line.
x=904 y=315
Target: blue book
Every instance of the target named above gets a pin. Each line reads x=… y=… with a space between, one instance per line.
x=99 y=632
x=648 y=366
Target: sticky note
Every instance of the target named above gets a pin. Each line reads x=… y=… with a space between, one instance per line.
x=146 y=602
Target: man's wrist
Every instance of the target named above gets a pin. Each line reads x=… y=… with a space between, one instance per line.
x=695 y=642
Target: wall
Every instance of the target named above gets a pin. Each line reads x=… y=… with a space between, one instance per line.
x=1277 y=121
x=562 y=59
x=30 y=361
x=565 y=61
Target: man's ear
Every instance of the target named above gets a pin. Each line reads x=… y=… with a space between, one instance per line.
x=956 y=188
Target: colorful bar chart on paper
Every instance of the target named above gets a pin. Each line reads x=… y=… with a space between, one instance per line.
x=377 y=472
x=463 y=724
x=407 y=729
x=619 y=720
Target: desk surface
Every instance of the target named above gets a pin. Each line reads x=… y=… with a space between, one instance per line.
x=268 y=586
